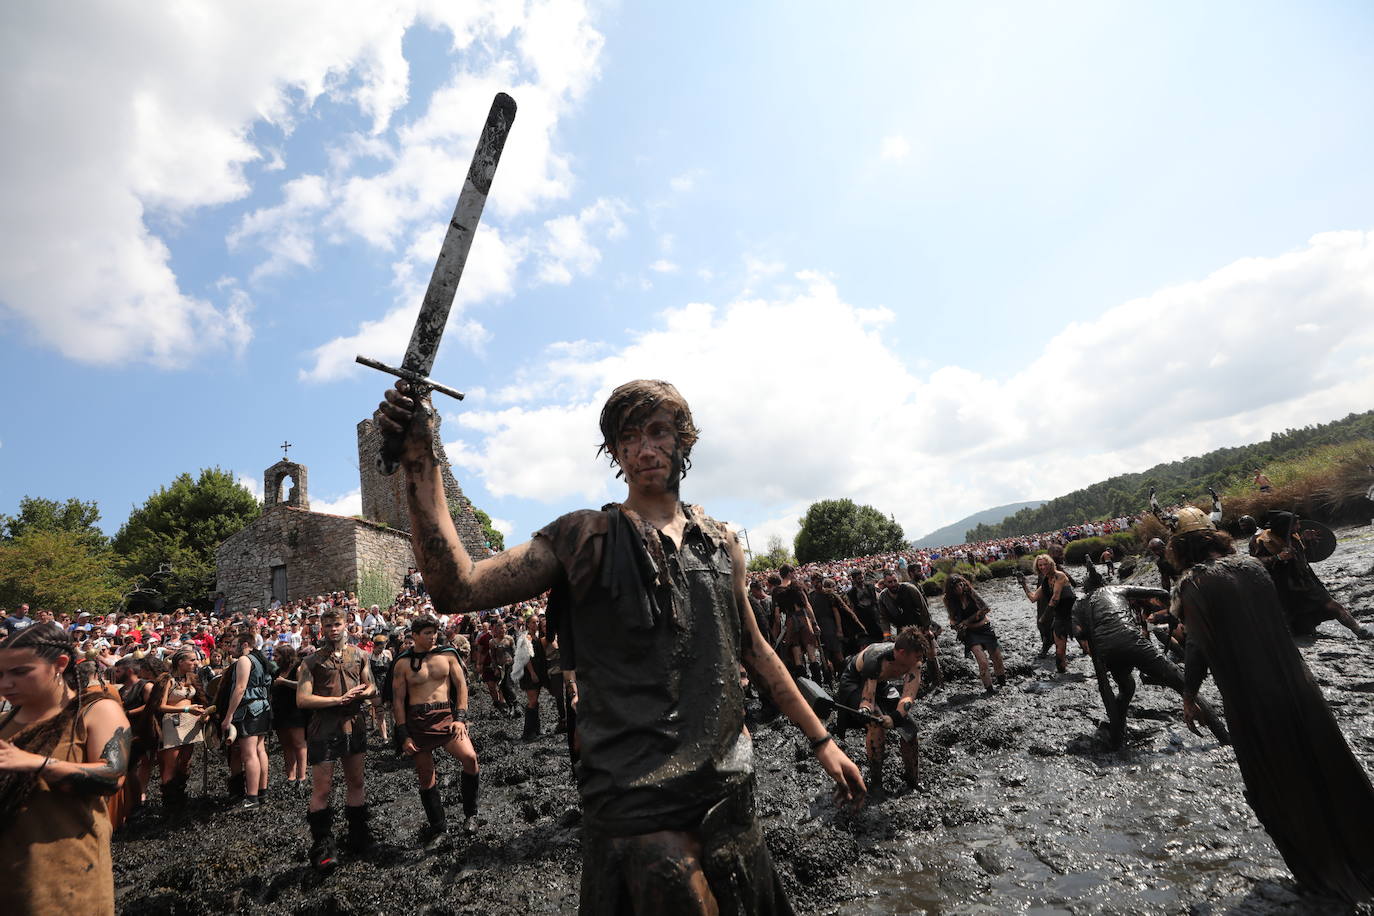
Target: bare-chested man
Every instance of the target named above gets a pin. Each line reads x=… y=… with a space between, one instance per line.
x=866 y=684
x=335 y=682
x=651 y=610
x=430 y=703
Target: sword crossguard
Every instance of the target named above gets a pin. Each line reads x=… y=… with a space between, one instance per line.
x=415 y=378
x=389 y=460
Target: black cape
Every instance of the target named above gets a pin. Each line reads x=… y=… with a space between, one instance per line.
x=1306 y=787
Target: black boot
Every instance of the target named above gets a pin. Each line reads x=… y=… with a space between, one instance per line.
x=434 y=831
x=360 y=838
x=532 y=729
x=174 y=793
x=467 y=785
x=323 y=856
x=236 y=786
x=817 y=672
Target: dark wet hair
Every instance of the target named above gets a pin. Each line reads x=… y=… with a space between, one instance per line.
x=49 y=642
x=423 y=623
x=632 y=403
x=910 y=639
x=1184 y=550
x=786 y=571
x=285 y=656
x=952 y=597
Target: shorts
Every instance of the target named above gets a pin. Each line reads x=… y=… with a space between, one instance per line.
x=335 y=746
x=618 y=876
x=984 y=636
x=1063 y=619
x=529 y=683
x=797 y=631
x=251 y=726
x=430 y=725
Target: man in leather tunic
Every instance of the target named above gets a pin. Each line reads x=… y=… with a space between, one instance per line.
x=652 y=613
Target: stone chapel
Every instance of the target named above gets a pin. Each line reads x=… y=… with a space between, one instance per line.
x=292 y=552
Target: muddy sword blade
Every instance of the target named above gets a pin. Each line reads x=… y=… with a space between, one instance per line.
x=448 y=270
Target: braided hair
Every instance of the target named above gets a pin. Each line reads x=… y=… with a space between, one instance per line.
x=49 y=642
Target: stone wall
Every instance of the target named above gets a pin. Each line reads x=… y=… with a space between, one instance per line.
x=382 y=552
x=384 y=498
x=322 y=553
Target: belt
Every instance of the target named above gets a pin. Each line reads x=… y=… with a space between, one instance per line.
x=430 y=707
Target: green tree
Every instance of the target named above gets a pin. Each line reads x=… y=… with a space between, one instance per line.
x=177 y=530
x=58 y=569
x=496 y=539
x=776 y=555
x=833 y=529
x=39 y=514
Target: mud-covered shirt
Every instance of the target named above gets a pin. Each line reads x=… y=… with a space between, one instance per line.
x=904 y=606
x=655 y=632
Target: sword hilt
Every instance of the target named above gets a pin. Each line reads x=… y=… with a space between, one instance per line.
x=389 y=458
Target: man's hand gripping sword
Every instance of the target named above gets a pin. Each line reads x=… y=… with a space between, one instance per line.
x=443 y=284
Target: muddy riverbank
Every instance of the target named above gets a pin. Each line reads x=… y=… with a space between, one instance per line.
x=1023 y=808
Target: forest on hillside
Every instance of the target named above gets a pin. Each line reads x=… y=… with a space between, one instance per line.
x=1176 y=481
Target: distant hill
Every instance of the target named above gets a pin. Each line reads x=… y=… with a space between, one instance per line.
x=1185 y=479
x=954 y=534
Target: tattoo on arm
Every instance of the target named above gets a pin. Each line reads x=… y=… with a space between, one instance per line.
x=102 y=779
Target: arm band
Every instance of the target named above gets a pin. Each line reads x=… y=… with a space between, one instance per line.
x=816 y=744
x=402 y=733
x=460 y=715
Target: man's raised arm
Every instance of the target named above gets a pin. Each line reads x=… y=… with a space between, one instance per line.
x=454 y=581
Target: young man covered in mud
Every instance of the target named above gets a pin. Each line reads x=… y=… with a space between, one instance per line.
x=429 y=699
x=1305 y=786
x=867 y=684
x=1304 y=597
x=1106 y=618
x=335 y=682
x=651 y=607
x=902 y=605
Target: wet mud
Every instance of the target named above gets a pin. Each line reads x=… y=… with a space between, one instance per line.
x=1022 y=808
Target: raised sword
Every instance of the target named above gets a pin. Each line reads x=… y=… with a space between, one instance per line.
x=448 y=270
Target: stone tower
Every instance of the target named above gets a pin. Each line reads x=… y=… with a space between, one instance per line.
x=271 y=485
x=384 y=498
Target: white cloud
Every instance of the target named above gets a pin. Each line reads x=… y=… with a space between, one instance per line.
x=663 y=266
x=850 y=416
x=351 y=503
x=895 y=147
x=569 y=247
x=155 y=109
x=251 y=484
x=685 y=182
x=505 y=526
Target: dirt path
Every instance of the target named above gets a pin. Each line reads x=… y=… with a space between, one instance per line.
x=1024 y=809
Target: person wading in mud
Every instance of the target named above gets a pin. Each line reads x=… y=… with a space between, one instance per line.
x=866 y=683
x=799 y=628
x=1053 y=598
x=430 y=703
x=1107 y=618
x=902 y=605
x=1304 y=598
x=335 y=682
x=650 y=606
x=969 y=617
x=1306 y=787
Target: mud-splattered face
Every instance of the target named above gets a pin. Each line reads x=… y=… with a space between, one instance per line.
x=648 y=452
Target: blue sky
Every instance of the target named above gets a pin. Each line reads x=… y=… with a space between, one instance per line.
x=931 y=257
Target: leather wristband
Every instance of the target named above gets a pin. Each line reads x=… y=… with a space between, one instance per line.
x=460 y=715
x=819 y=742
